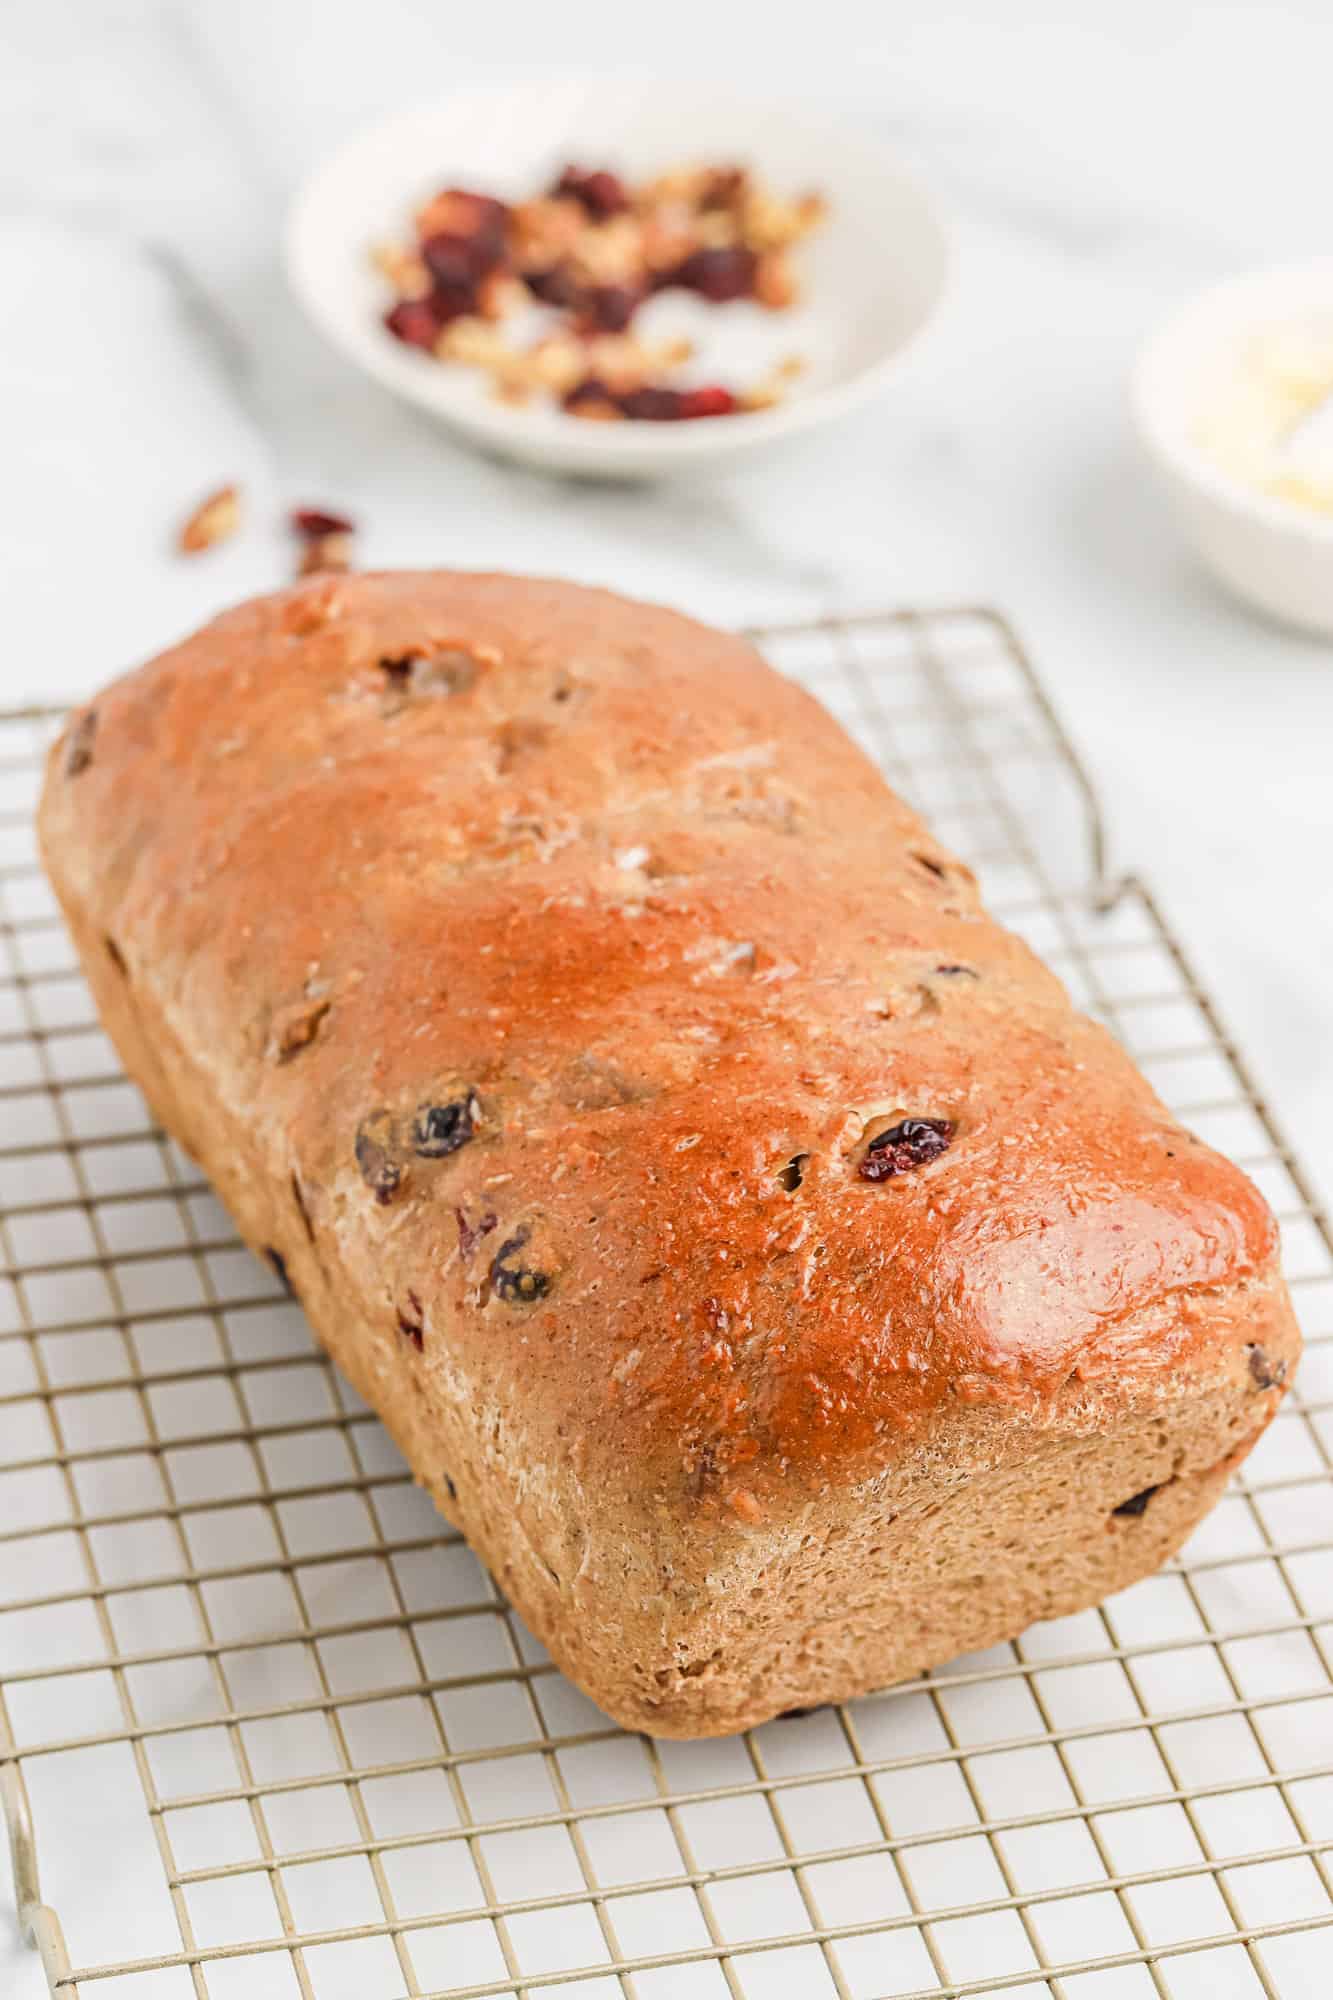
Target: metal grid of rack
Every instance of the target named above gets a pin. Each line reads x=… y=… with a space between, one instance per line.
x=271 y=1731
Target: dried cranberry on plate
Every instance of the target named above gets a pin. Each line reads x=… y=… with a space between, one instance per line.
x=415 y=322
x=719 y=275
x=653 y=405
x=600 y=192
x=592 y=399
x=459 y=212
x=709 y=401
x=455 y=263
x=609 y=308
x=557 y=285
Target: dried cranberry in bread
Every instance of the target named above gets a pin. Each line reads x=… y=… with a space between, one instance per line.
x=745 y=1241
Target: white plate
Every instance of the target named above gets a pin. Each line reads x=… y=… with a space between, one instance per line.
x=872 y=275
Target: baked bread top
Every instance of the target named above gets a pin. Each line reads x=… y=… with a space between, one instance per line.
x=571 y=963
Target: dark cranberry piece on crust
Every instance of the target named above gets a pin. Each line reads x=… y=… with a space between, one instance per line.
x=521 y=1286
x=516 y=1283
x=471 y=1233
x=380 y=1171
x=1265 y=1374
x=440 y=1129
x=913 y=1142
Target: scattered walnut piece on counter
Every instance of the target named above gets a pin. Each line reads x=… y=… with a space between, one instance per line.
x=214 y=520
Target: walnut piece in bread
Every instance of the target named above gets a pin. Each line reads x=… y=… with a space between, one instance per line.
x=745 y=1241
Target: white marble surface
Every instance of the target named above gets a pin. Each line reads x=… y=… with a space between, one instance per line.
x=1100 y=161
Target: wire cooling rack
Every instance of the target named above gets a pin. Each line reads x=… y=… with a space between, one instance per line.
x=271 y=1731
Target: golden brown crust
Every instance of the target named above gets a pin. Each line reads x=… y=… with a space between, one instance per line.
x=523 y=938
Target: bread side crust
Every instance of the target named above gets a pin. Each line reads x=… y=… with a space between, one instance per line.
x=682 y=1618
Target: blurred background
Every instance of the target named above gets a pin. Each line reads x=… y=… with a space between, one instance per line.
x=1098 y=162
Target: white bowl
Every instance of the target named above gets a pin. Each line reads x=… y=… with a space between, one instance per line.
x=1267 y=551
x=873 y=274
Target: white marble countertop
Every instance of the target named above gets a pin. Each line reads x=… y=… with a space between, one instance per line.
x=1100 y=161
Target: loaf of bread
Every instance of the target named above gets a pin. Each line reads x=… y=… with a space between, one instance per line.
x=746 y=1243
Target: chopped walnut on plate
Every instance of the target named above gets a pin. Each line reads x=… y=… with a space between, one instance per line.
x=592 y=250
